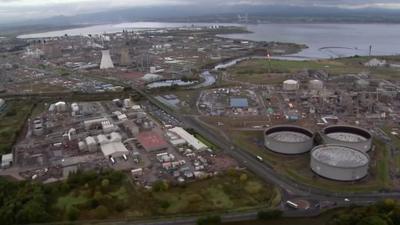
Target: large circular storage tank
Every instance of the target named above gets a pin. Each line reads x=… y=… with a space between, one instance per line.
x=340 y=163
x=316 y=85
x=291 y=85
x=353 y=137
x=289 y=139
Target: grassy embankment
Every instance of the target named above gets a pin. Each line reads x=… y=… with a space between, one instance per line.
x=12 y=120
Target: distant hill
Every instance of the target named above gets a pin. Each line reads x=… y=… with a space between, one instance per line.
x=257 y=13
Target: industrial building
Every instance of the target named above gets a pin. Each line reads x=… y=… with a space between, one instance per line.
x=350 y=136
x=111 y=145
x=131 y=127
x=339 y=162
x=239 y=103
x=152 y=141
x=316 y=85
x=289 y=139
x=6 y=160
x=190 y=139
x=94 y=122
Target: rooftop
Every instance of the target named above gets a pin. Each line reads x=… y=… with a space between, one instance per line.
x=152 y=141
x=239 y=103
x=340 y=156
x=112 y=148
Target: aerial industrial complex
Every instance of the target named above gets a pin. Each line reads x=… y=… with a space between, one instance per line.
x=183 y=105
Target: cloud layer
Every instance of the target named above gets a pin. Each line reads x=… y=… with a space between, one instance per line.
x=33 y=9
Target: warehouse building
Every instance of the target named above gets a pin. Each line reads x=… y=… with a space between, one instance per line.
x=239 y=103
x=111 y=145
x=190 y=139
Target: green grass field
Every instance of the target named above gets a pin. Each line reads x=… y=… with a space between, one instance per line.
x=276 y=71
x=12 y=120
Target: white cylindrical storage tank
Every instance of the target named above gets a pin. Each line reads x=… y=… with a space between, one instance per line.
x=291 y=85
x=38 y=129
x=350 y=136
x=61 y=106
x=316 y=85
x=75 y=107
x=82 y=146
x=127 y=103
x=340 y=163
x=289 y=139
x=91 y=144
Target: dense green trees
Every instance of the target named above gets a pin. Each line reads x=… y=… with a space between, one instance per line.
x=28 y=202
x=386 y=212
x=23 y=203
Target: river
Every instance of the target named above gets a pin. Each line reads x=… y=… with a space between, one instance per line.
x=323 y=40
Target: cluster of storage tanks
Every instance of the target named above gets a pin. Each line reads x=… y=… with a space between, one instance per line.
x=342 y=156
x=294 y=85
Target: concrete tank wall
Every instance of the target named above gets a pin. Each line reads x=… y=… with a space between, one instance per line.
x=290 y=148
x=338 y=173
x=363 y=146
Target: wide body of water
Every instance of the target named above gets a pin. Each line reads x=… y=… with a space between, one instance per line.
x=323 y=40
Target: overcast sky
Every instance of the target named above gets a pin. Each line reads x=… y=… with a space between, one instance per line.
x=11 y=10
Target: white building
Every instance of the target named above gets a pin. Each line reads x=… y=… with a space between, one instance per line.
x=111 y=145
x=6 y=160
x=114 y=149
x=91 y=144
x=106 y=62
x=376 y=63
x=107 y=126
x=89 y=123
x=190 y=139
x=2 y=104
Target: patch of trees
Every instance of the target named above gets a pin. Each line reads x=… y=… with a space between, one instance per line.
x=24 y=202
x=29 y=202
x=386 y=212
